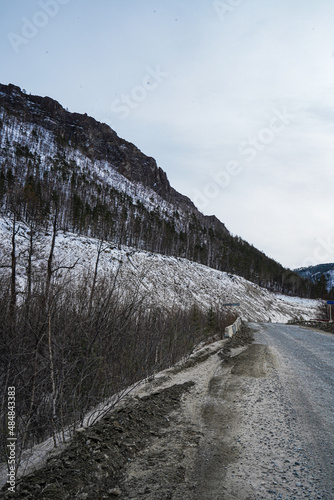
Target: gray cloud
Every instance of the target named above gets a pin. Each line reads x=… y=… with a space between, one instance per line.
x=227 y=77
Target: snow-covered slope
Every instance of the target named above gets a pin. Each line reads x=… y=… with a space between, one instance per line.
x=53 y=161
x=330 y=277
x=167 y=281
x=41 y=142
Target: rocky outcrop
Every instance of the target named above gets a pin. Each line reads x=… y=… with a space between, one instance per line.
x=98 y=142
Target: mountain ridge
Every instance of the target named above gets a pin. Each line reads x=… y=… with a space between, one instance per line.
x=99 y=141
x=107 y=188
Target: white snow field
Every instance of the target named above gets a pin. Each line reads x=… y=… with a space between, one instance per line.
x=163 y=280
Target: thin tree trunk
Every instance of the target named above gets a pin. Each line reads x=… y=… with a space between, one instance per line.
x=30 y=411
x=99 y=250
x=13 y=294
x=53 y=383
x=29 y=272
x=50 y=259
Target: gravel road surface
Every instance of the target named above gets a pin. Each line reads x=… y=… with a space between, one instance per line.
x=305 y=377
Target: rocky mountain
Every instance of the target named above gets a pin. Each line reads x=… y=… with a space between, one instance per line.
x=68 y=166
x=108 y=275
x=97 y=141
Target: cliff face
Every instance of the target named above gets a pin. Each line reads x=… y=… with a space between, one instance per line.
x=97 y=141
x=53 y=161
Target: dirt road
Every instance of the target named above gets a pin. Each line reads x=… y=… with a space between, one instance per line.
x=306 y=376
x=255 y=423
x=263 y=420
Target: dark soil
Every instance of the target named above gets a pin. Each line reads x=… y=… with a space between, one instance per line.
x=143 y=449
x=92 y=465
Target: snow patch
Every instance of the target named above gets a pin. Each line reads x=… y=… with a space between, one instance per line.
x=163 y=280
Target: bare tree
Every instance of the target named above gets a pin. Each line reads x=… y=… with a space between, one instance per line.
x=51 y=253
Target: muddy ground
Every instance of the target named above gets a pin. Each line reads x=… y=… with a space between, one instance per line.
x=138 y=451
x=93 y=464
x=189 y=434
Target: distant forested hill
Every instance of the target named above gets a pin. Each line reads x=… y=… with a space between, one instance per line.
x=322 y=276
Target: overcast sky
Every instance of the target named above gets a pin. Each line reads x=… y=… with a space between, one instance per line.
x=233 y=98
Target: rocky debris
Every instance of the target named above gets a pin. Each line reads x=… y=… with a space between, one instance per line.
x=325 y=327
x=242 y=338
x=161 y=471
x=93 y=464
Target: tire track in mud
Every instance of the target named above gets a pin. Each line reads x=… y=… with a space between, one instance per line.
x=235 y=437
x=221 y=420
x=194 y=441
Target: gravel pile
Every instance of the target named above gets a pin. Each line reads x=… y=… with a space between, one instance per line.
x=92 y=465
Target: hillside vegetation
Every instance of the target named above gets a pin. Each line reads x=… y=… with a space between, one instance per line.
x=107 y=274
x=65 y=165
x=322 y=277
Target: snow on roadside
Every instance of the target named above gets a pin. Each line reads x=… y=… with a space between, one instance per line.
x=298 y=301
x=36 y=457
